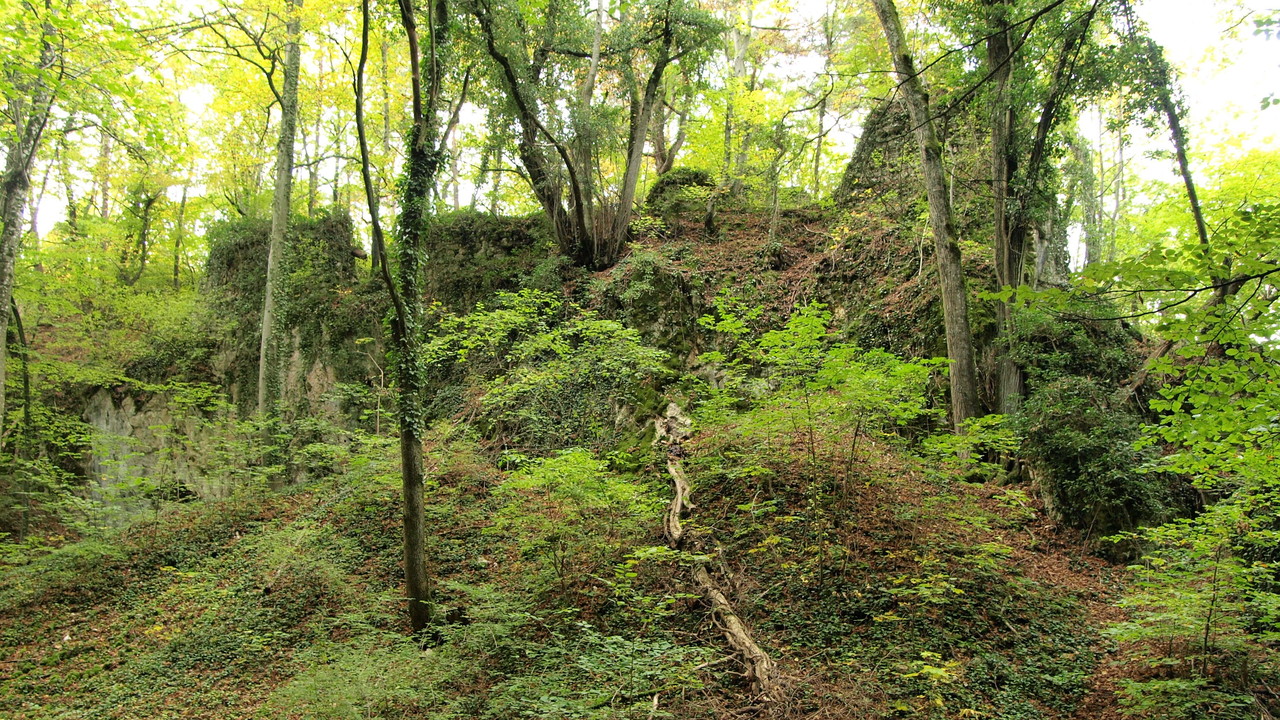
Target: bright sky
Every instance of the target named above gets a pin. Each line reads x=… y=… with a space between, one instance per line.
x=1224 y=78
x=1225 y=73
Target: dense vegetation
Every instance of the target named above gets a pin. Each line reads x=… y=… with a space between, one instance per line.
x=654 y=397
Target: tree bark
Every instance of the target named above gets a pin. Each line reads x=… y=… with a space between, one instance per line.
x=955 y=302
x=377 y=242
x=635 y=147
x=178 y=236
x=421 y=167
x=29 y=112
x=104 y=175
x=1161 y=79
x=1008 y=249
x=569 y=224
x=279 y=204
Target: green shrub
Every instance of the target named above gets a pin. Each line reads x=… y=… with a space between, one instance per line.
x=382 y=676
x=542 y=374
x=85 y=570
x=1082 y=444
x=1094 y=471
x=572 y=514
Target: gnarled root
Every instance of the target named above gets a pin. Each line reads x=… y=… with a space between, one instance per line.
x=761 y=670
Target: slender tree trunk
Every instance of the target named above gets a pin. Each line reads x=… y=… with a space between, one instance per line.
x=144 y=238
x=178 y=237
x=955 y=303
x=366 y=172
x=422 y=166
x=664 y=152
x=37 y=198
x=569 y=224
x=828 y=47
x=738 y=43
x=584 y=131
x=64 y=170
x=313 y=165
x=1161 y=79
x=104 y=175
x=279 y=204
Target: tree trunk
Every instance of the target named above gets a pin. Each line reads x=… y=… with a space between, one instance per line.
x=740 y=43
x=569 y=224
x=178 y=236
x=1161 y=80
x=737 y=43
x=279 y=204
x=421 y=167
x=635 y=149
x=955 y=303
x=1008 y=249
x=312 y=152
x=64 y=170
x=104 y=175
x=828 y=48
x=29 y=112
x=33 y=204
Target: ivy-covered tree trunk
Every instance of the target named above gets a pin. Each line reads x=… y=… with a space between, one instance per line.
x=955 y=301
x=280 y=203
x=422 y=165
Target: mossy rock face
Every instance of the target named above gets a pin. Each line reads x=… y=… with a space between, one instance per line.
x=323 y=306
x=658 y=297
x=679 y=194
x=668 y=187
x=473 y=256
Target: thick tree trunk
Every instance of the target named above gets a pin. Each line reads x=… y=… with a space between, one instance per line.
x=955 y=301
x=1008 y=244
x=279 y=205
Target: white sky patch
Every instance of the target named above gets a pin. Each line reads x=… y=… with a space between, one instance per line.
x=1225 y=69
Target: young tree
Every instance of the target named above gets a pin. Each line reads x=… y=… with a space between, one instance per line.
x=60 y=57
x=30 y=91
x=422 y=165
x=1021 y=182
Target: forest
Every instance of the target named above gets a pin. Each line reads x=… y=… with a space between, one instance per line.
x=634 y=359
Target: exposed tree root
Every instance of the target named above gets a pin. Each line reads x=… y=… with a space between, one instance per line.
x=761 y=669
x=680 y=504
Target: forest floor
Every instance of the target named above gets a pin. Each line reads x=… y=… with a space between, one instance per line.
x=921 y=595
